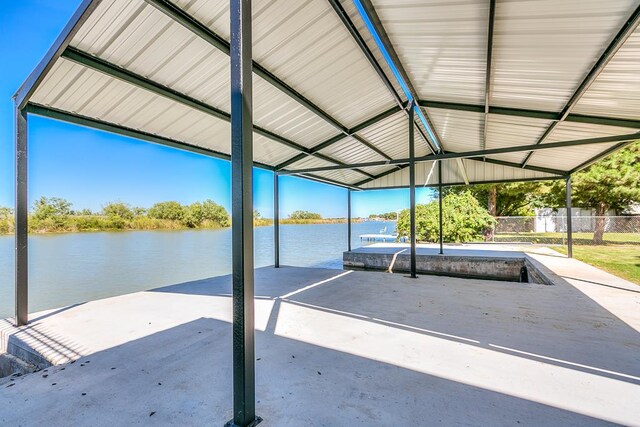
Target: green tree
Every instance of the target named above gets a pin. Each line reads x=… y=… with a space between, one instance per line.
x=118 y=210
x=611 y=183
x=304 y=215
x=51 y=208
x=389 y=216
x=138 y=211
x=208 y=211
x=5 y=213
x=167 y=210
x=85 y=212
x=463 y=219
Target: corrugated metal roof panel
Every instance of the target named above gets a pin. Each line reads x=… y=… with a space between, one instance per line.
x=510 y=131
x=351 y=10
x=150 y=44
x=570 y=157
x=567 y=131
x=460 y=130
x=92 y=94
x=567 y=158
x=309 y=162
x=346 y=176
x=376 y=170
x=306 y=45
x=544 y=48
x=616 y=91
x=441 y=44
x=391 y=135
x=351 y=151
x=267 y=152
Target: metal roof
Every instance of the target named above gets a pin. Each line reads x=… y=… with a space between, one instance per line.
x=497 y=80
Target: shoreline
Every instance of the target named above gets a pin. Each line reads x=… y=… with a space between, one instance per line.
x=176 y=227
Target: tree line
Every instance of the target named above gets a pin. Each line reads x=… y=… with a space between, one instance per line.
x=55 y=214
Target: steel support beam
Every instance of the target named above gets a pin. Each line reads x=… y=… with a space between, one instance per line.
x=569 y=219
x=52 y=113
x=21 y=215
x=532 y=114
x=349 y=220
x=244 y=412
x=477 y=153
x=457 y=184
x=412 y=192
x=484 y=160
x=276 y=220
x=487 y=82
x=627 y=29
x=440 y=238
x=329 y=181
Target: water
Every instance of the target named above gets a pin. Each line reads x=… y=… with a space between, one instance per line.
x=76 y=267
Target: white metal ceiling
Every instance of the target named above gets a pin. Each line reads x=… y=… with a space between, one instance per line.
x=543 y=49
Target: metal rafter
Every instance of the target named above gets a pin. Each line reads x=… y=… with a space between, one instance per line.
x=487 y=83
x=532 y=114
x=627 y=29
x=90 y=122
x=362 y=44
x=483 y=160
x=600 y=156
x=189 y=22
x=457 y=184
x=359 y=127
x=130 y=77
x=479 y=153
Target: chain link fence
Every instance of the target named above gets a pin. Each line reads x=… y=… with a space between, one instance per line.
x=587 y=230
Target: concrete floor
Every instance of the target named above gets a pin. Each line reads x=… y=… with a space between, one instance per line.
x=338 y=348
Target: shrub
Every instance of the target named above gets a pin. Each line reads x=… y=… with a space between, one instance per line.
x=167 y=210
x=53 y=207
x=463 y=219
x=207 y=212
x=118 y=210
x=304 y=215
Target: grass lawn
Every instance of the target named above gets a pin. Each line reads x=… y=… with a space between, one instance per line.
x=621 y=260
x=560 y=238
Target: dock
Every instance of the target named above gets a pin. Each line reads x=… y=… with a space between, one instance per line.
x=378 y=237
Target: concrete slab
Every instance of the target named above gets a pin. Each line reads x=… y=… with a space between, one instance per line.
x=340 y=348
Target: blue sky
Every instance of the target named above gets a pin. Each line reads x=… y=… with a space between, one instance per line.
x=90 y=168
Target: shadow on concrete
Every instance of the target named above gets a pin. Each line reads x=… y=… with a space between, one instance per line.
x=603 y=284
x=182 y=376
x=558 y=324
x=361 y=348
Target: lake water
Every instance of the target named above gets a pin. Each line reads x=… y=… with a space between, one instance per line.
x=71 y=268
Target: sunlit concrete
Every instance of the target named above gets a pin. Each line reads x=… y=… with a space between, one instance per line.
x=343 y=348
